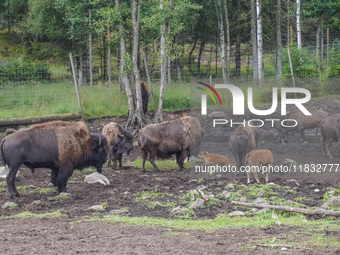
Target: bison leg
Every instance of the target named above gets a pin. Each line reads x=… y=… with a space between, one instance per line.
x=62 y=179
x=119 y=158
x=152 y=158
x=180 y=159
x=54 y=174
x=248 y=177
x=145 y=156
x=255 y=171
x=13 y=170
x=328 y=144
x=114 y=160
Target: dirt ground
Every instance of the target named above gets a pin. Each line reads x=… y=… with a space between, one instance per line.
x=155 y=194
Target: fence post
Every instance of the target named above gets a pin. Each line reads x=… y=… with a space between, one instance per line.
x=76 y=85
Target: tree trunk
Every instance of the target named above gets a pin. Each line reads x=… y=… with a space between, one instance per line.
x=90 y=53
x=238 y=42
x=228 y=38
x=148 y=77
x=199 y=56
x=278 y=40
x=109 y=57
x=159 y=115
x=123 y=76
x=254 y=41
x=190 y=60
x=222 y=42
x=259 y=44
x=298 y=28
x=138 y=117
x=178 y=64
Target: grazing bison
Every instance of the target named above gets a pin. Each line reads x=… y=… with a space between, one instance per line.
x=242 y=140
x=328 y=132
x=181 y=136
x=303 y=122
x=119 y=141
x=59 y=145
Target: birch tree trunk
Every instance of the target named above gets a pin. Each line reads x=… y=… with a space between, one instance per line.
x=238 y=42
x=159 y=115
x=298 y=27
x=278 y=40
x=253 y=40
x=259 y=43
x=138 y=117
x=148 y=76
x=122 y=73
x=222 y=42
x=108 y=57
x=227 y=38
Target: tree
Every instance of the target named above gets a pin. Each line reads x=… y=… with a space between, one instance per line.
x=259 y=43
x=278 y=40
x=298 y=27
x=254 y=40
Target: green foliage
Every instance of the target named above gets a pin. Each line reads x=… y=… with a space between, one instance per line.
x=47 y=191
x=24 y=72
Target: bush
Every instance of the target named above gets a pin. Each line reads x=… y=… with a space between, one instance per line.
x=24 y=72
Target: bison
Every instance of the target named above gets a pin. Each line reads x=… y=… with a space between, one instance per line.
x=119 y=141
x=59 y=145
x=256 y=159
x=181 y=137
x=303 y=122
x=242 y=140
x=328 y=132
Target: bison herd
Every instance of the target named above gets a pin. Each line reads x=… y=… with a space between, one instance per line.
x=65 y=146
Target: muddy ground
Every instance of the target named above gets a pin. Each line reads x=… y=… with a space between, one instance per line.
x=155 y=194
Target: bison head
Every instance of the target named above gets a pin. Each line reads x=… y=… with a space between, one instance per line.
x=125 y=143
x=99 y=151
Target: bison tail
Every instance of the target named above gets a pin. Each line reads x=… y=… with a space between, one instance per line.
x=2 y=157
x=142 y=141
x=318 y=127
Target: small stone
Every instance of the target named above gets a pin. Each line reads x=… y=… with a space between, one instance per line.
x=254 y=210
x=3 y=171
x=118 y=212
x=292 y=181
x=129 y=164
x=197 y=204
x=243 y=199
x=135 y=144
x=182 y=211
x=31 y=187
x=230 y=185
x=65 y=194
x=316 y=190
x=96 y=208
x=236 y=213
x=8 y=204
x=271 y=184
x=97 y=177
x=176 y=209
x=274 y=216
x=284 y=248
x=331 y=202
x=36 y=202
x=260 y=200
x=226 y=194
x=278 y=223
x=304 y=220
x=261 y=193
x=263 y=210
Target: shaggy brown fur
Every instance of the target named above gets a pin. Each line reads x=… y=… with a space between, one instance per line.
x=257 y=158
x=74 y=140
x=213 y=159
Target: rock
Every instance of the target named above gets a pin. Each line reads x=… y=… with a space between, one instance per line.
x=197 y=204
x=274 y=216
x=96 y=177
x=216 y=115
x=118 y=212
x=284 y=248
x=65 y=194
x=263 y=210
x=304 y=220
x=36 y=202
x=9 y=131
x=261 y=193
x=331 y=202
x=254 y=210
x=292 y=181
x=271 y=184
x=230 y=185
x=243 y=199
x=3 y=171
x=226 y=194
x=96 y=208
x=260 y=200
x=128 y=163
x=135 y=144
x=236 y=213
x=176 y=209
x=316 y=190
x=278 y=223
x=31 y=187
x=8 y=204
x=182 y=211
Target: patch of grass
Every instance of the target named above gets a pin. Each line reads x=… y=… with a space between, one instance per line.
x=162 y=164
x=143 y=196
x=47 y=191
x=27 y=214
x=176 y=233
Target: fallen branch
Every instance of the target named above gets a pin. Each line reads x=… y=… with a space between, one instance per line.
x=318 y=211
x=275 y=245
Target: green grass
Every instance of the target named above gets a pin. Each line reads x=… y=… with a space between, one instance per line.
x=27 y=214
x=162 y=164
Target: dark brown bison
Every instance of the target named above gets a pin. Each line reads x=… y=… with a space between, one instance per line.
x=181 y=137
x=59 y=145
x=119 y=141
x=243 y=140
x=303 y=122
x=328 y=127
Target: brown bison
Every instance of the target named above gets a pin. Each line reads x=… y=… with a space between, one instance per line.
x=181 y=136
x=59 y=145
x=328 y=132
x=256 y=159
x=119 y=141
x=303 y=122
x=242 y=140
x=213 y=159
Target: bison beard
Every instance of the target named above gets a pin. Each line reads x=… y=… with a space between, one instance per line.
x=58 y=145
